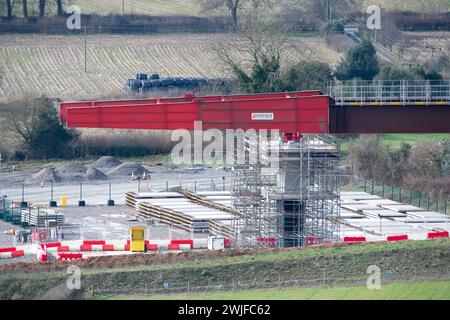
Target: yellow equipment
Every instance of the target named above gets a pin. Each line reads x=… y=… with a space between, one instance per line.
x=63 y=201
x=137 y=239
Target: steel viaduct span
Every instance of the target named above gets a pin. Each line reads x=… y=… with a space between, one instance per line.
x=359 y=107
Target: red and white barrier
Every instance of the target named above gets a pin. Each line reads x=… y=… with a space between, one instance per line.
x=70 y=256
x=41 y=253
x=354 y=239
x=401 y=237
x=12 y=254
x=436 y=235
x=182 y=241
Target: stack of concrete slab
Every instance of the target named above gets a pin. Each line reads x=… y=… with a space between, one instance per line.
x=360 y=207
x=358 y=196
x=376 y=214
x=42 y=217
x=404 y=208
x=173 y=208
x=372 y=214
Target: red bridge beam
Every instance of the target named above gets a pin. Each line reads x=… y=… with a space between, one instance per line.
x=305 y=112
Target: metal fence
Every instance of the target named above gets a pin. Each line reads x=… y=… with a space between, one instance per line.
x=395 y=91
x=401 y=195
x=101 y=193
x=169 y=288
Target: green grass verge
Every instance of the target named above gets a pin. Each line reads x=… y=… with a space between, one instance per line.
x=338 y=265
x=437 y=290
x=394 y=141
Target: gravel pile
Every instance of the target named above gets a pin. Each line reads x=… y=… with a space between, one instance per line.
x=70 y=169
x=45 y=175
x=106 y=162
x=95 y=174
x=127 y=168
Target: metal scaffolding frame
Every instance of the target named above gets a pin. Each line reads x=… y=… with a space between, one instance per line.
x=291 y=204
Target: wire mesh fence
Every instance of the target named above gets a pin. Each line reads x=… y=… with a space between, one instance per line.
x=167 y=288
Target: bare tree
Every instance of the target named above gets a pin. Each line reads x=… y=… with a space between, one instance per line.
x=9 y=7
x=255 y=40
x=25 y=8
x=42 y=4
x=254 y=56
x=233 y=6
x=59 y=5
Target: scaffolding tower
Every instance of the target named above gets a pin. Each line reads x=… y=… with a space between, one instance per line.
x=289 y=194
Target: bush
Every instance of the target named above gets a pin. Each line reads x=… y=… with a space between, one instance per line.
x=360 y=62
x=36 y=124
x=308 y=76
x=416 y=73
x=424 y=168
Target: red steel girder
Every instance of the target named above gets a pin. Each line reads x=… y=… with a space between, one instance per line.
x=305 y=112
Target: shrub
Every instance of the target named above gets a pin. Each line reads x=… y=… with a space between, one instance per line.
x=360 y=62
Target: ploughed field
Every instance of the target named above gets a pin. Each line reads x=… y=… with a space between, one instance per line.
x=54 y=65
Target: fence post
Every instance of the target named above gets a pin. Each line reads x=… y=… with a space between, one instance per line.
x=373 y=186
x=420 y=196
x=223 y=180
x=365 y=185
x=81 y=203
x=382 y=190
x=410 y=197
x=392 y=193
x=428 y=203
x=445 y=207
x=195 y=186
x=437 y=204
x=110 y=201
x=23 y=204
x=52 y=203
x=167 y=186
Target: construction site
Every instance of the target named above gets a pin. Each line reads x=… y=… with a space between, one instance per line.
x=283 y=190
x=197 y=149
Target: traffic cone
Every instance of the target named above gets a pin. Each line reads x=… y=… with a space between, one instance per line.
x=144 y=177
x=133 y=178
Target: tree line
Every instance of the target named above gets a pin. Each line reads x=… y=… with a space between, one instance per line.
x=422 y=168
x=42 y=7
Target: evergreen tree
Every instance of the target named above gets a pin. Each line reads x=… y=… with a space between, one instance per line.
x=361 y=62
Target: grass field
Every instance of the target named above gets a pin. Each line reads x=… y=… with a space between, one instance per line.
x=337 y=266
x=394 y=141
x=438 y=290
x=54 y=65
